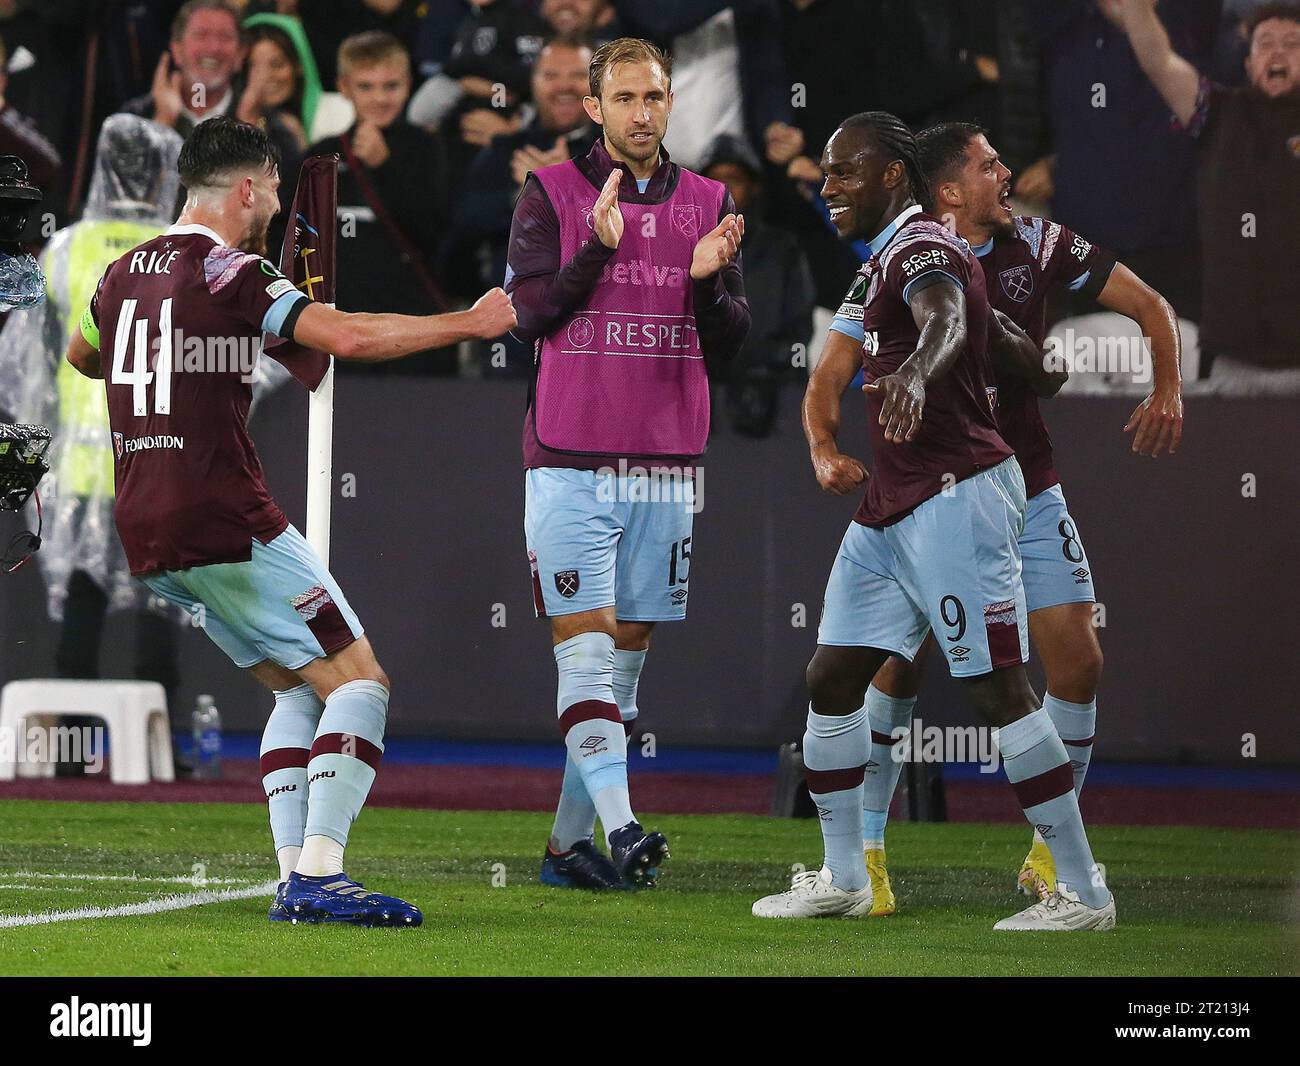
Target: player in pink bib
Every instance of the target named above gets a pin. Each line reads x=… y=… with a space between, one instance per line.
x=624 y=269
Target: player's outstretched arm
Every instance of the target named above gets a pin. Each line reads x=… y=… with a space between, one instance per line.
x=374 y=338
x=1015 y=354
x=939 y=311
x=1174 y=78
x=1158 y=419
x=84 y=357
x=840 y=359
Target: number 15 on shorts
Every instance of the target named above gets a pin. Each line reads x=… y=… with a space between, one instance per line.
x=679 y=563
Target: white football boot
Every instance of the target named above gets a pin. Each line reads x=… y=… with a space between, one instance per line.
x=1061 y=912
x=812 y=895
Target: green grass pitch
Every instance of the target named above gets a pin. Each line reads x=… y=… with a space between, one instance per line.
x=1191 y=900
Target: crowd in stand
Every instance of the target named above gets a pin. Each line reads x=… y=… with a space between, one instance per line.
x=439 y=108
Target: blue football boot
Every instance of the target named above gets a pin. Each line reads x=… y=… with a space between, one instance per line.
x=279 y=912
x=582 y=866
x=638 y=854
x=338 y=898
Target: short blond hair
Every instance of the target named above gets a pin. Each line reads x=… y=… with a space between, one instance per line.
x=626 y=50
x=369 y=49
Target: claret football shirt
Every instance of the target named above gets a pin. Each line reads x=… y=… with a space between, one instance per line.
x=178 y=322
x=958 y=435
x=1020 y=269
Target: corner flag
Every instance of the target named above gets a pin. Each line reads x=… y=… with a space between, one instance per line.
x=308 y=259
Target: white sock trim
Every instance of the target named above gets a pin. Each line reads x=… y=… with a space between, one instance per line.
x=321 y=856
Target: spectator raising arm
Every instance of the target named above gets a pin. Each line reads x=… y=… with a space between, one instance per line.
x=1174 y=78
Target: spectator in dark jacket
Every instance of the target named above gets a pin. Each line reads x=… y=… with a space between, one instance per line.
x=19 y=136
x=559 y=130
x=196 y=77
x=483 y=81
x=779 y=287
x=1120 y=172
x=392 y=196
x=328 y=22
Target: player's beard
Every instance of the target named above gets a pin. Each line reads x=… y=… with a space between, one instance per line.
x=1001 y=222
x=639 y=153
x=256 y=241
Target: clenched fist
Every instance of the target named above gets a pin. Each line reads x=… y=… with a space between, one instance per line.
x=493 y=314
x=836 y=472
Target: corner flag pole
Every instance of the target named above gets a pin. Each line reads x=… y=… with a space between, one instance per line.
x=320 y=463
x=309 y=258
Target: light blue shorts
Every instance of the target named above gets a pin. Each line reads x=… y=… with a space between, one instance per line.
x=952 y=565
x=600 y=540
x=1056 y=565
x=281 y=605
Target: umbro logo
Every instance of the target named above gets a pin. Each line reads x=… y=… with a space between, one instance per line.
x=1080 y=575
x=823 y=813
x=592 y=744
x=871 y=765
x=959 y=654
x=679 y=596
x=1044 y=831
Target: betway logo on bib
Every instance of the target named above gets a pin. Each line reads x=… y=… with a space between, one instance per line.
x=643 y=272
x=624 y=376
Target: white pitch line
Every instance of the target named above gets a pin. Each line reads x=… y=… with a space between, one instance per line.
x=44 y=888
x=176 y=902
x=32 y=875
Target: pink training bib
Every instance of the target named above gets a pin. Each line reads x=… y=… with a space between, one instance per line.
x=624 y=375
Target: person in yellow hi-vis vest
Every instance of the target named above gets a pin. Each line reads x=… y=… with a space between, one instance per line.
x=132 y=198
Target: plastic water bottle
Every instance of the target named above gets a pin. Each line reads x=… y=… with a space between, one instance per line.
x=207 y=739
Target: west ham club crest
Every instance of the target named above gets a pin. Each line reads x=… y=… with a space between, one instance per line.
x=686 y=220
x=1017 y=283
x=566 y=583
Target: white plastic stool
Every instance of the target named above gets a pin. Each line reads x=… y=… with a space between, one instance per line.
x=135 y=713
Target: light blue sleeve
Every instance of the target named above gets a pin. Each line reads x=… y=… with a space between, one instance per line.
x=930 y=277
x=849 y=328
x=273 y=320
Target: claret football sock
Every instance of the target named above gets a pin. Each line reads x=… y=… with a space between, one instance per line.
x=344 y=759
x=590 y=722
x=834 y=753
x=889 y=719
x=575 y=816
x=1039 y=771
x=286 y=746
